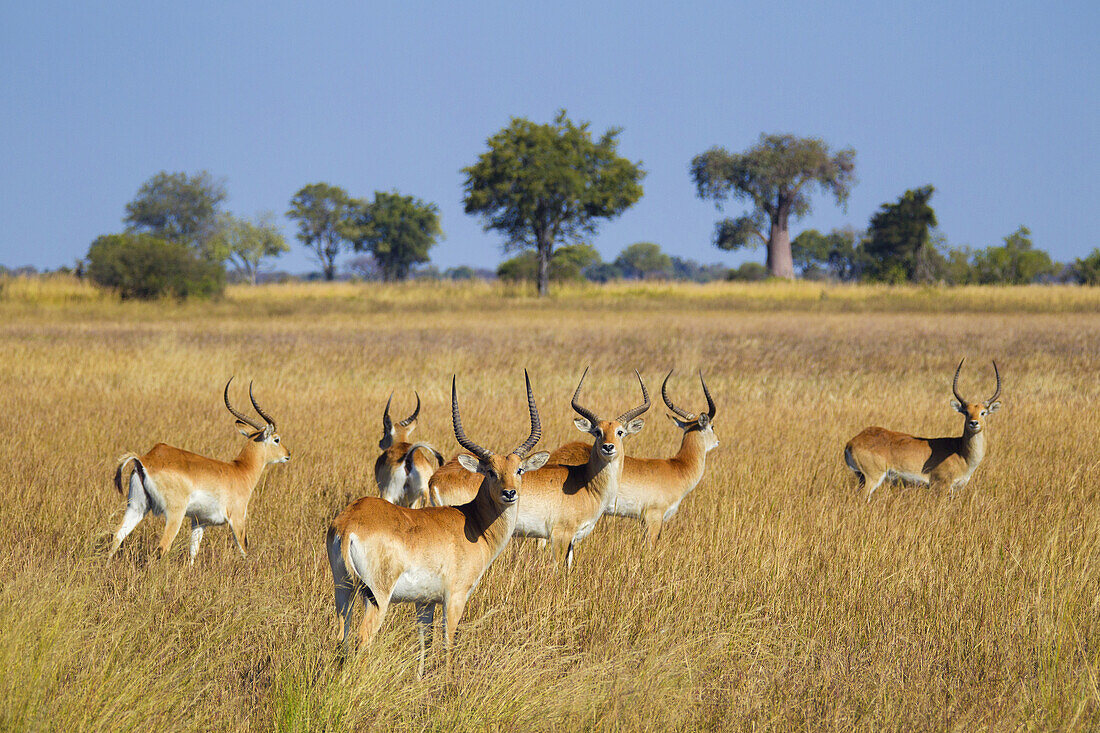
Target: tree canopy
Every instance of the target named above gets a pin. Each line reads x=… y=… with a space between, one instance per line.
x=899 y=242
x=545 y=185
x=321 y=210
x=776 y=176
x=397 y=230
x=644 y=260
x=177 y=207
x=246 y=244
x=836 y=255
x=1016 y=262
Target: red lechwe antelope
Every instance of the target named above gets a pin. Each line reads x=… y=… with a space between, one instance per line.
x=562 y=503
x=392 y=554
x=942 y=463
x=178 y=484
x=651 y=489
x=402 y=470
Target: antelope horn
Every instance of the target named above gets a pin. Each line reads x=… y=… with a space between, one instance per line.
x=631 y=414
x=387 y=423
x=234 y=413
x=260 y=411
x=460 y=434
x=711 y=409
x=668 y=402
x=583 y=412
x=416 y=412
x=536 y=426
x=996 y=394
x=955 y=384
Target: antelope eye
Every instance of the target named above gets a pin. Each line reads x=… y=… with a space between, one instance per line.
x=619 y=432
x=519 y=471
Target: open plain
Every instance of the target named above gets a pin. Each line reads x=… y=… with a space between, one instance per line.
x=778 y=598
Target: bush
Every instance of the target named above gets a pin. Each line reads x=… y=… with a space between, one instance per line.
x=1087 y=270
x=749 y=272
x=644 y=260
x=566 y=263
x=143 y=266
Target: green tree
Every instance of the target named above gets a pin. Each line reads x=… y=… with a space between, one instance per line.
x=644 y=260
x=545 y=185
x=397 y=230
x=1087 y=269
x=178 y=208
x=246 y=244
x=143 y=266
x=834 y=255
x=899 y=243
x=776 y=176
x=321 y=211
x=1016 y=262
x=567 y=263
x=958 y=268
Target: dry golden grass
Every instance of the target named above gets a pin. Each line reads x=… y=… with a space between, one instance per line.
x=778 y=599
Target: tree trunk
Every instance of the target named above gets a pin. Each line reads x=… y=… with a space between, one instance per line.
x=330 y=270
x=780 y=263
x=544 y=252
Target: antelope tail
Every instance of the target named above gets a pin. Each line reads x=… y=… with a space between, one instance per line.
x=122 y=461
x=849 y=460
x=440 y=460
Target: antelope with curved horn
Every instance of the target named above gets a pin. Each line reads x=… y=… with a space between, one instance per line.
x=391 y=554
x=176 y=483
x=402 y=470
x=651 y=489
x=562 y=503
x=942 y=463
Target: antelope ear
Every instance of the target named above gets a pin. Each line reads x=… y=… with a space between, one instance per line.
x=677 y=421
x=470 y=463
x=245 y=429
x=958 y=406
x=635 y=425
x=411 y=427
x=535 y=462
x=994 y=407
x=582 y=424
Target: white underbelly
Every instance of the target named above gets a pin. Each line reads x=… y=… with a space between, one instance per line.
x=530 y=525
x=417 y=584
x=206 y=508
x=585 y=529
x=906 y=476
x=625 y=506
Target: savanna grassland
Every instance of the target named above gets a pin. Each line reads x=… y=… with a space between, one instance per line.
x=778 y=598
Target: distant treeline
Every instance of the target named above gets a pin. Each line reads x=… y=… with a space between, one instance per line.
x=545 y=188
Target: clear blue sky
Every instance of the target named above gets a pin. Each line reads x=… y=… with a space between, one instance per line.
x=994 y=103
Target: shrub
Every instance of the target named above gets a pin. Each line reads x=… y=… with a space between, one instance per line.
x=567 y=263
x=749 y=271
x=1087 y=270
x=143 y=266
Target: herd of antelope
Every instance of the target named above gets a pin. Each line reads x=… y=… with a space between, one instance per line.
x=439 y=524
